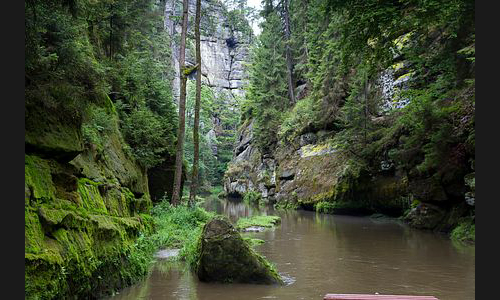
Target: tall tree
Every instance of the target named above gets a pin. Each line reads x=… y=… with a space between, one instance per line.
x=267 y=90
x=196 y=137
x=176 y=194
x=288 y=51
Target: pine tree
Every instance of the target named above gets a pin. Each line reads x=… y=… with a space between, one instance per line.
x=268 y=90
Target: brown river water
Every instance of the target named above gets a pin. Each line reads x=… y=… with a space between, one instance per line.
x=317 y=254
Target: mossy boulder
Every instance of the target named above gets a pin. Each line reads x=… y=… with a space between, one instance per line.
x=226 y=257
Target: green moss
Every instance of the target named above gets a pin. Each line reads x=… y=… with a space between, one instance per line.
x=188 y=70
x=320 y=197
x=253 y=242
x=52 y=216
x=226 y=257
x=312 y=150
x=263 y=221
x=38 y=179
x=90 y=196
x=44 y=276
x=54 y=130
x=33 y=232
x=84 y=239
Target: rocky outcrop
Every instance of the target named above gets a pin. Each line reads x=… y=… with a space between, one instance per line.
x=226 y=257
x=52 y=131
x=312 y=174
x=84 y=208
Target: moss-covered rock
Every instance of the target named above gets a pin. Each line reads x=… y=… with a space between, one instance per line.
x=83 y=214
x=52 y=129
x=226 y=257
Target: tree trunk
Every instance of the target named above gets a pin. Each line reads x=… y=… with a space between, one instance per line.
x=196 y=137
x=289 y=64
x=176 y=194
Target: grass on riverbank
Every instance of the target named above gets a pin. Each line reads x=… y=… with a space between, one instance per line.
x=175 y=227
x=263 y=221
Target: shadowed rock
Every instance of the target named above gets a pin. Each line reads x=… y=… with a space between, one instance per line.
x=226 y=257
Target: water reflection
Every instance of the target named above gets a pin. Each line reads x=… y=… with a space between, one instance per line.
x=319 y=254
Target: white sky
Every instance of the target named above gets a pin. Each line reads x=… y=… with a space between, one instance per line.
x=257 y=5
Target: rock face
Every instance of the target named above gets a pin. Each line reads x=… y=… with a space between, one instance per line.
x=83 y=209
x=311 y=174
x=226 y=257
x=304 y=174
x=224 y=48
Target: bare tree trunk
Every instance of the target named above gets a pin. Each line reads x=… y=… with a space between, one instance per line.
x=289 y=64
x=196 y=137
x=176 y=194
x=365 y=95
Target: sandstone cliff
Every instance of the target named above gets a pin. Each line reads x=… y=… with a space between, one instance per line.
x=84 y=205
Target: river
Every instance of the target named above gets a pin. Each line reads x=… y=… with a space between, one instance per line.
x=318 y=254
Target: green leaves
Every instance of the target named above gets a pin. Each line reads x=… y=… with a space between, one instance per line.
x=147 y=137
x=267 y=90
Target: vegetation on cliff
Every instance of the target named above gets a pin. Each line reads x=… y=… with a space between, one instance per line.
x=80 y=52
x=390 y=87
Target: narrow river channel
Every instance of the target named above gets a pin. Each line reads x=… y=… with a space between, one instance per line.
x=319 y=254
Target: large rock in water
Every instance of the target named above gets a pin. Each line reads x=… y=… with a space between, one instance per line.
x=226 y=257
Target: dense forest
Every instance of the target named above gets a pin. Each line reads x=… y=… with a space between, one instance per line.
x=340 y=107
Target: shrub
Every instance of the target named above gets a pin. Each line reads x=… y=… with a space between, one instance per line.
x=147 y=137
x=252 y=197
x=465 y=232
x=325 y=207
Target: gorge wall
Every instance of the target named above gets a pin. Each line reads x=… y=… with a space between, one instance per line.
x=85 y=206
x=312 y=173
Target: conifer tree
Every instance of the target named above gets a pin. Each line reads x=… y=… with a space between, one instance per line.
x=268 y=88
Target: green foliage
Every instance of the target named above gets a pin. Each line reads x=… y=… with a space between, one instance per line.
x=98 y=124
x=286 y=205
x=218 y=118
x=146 y=135
x=252 y=197
x=266 y=96
x=81 y=52
x=465 y=231
x=178 y=227
x=325 y=207
x=302 y=116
